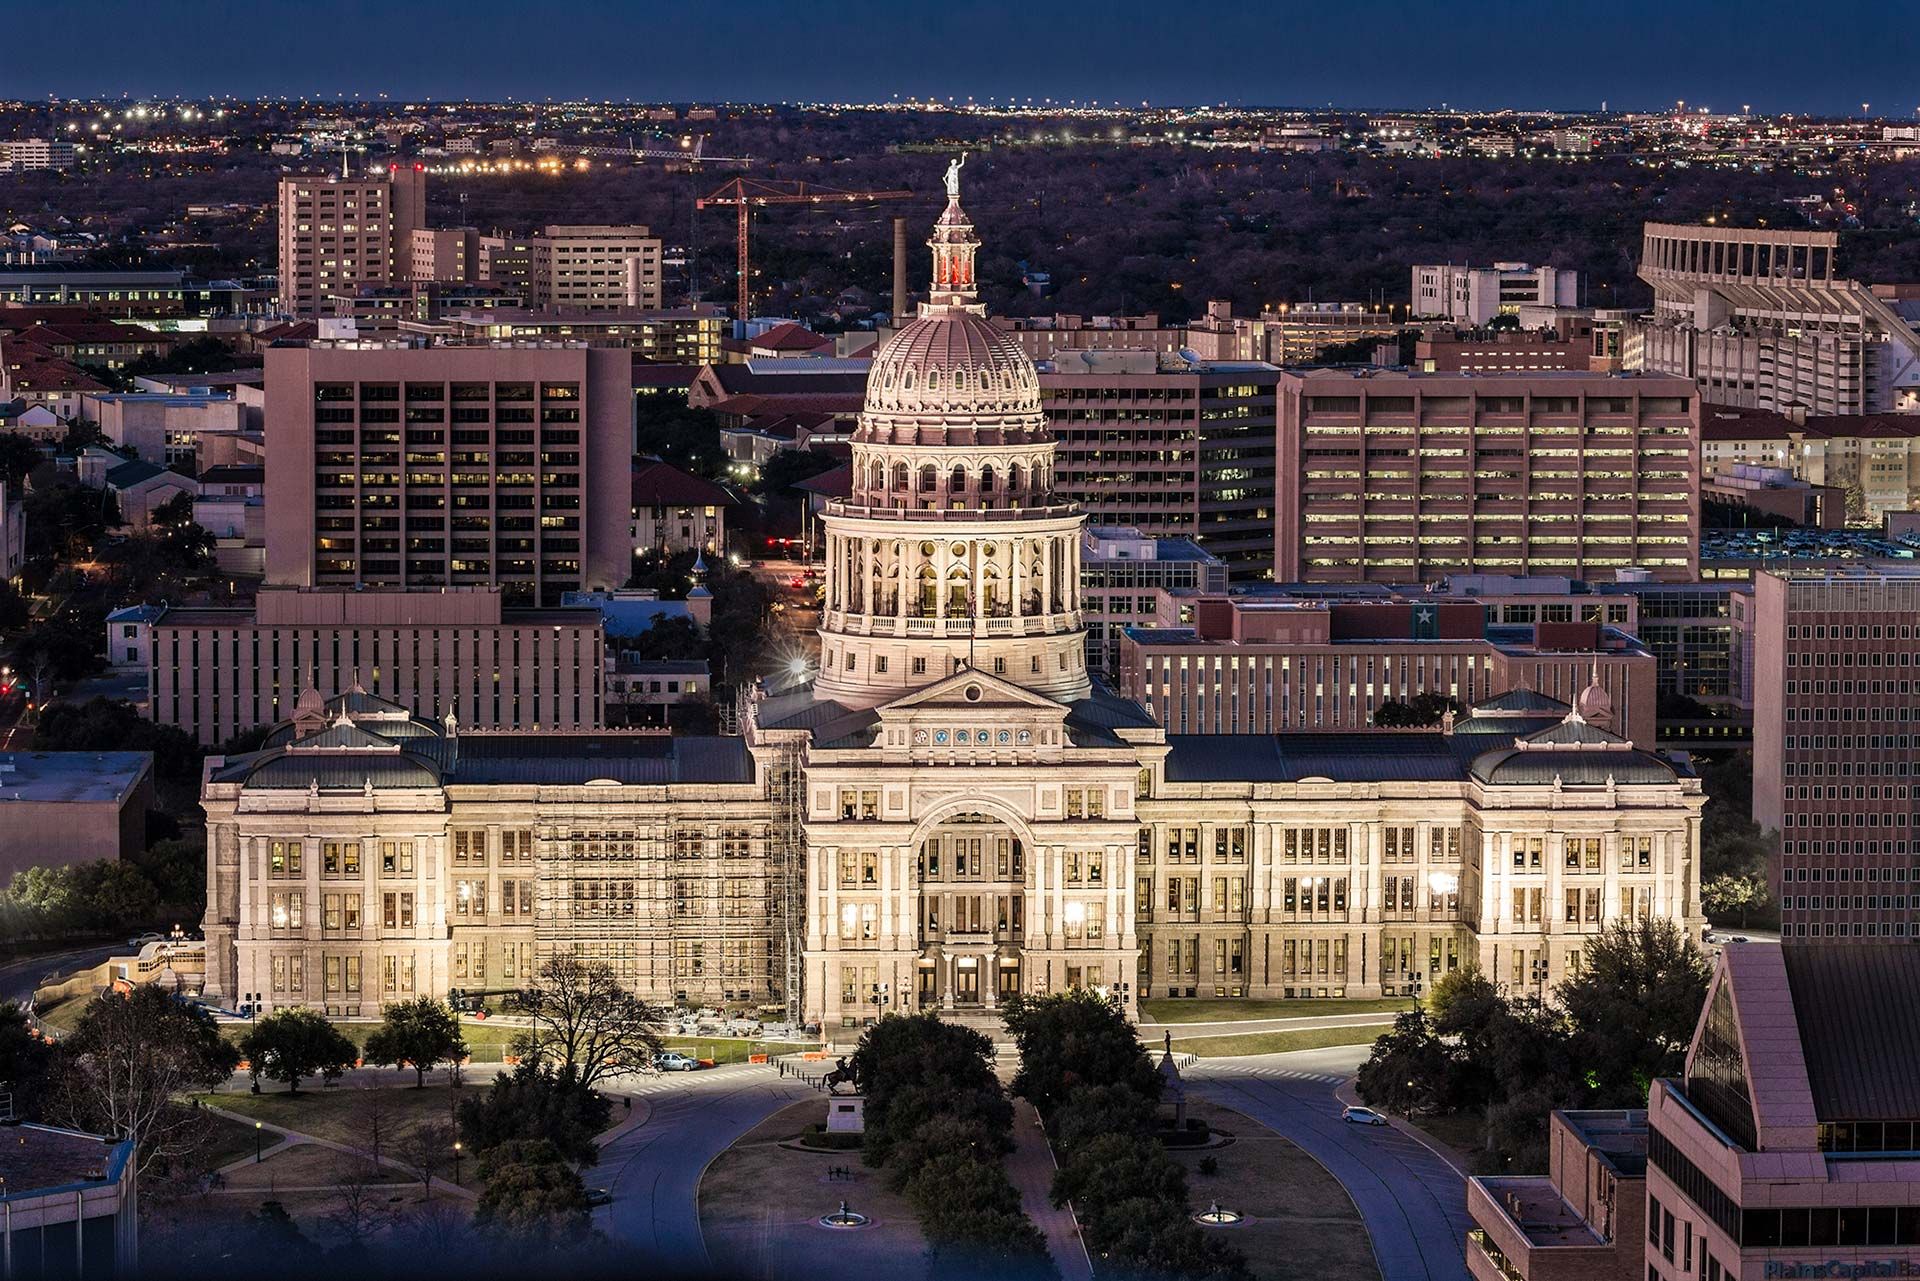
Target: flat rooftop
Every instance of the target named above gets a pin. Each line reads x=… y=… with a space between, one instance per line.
x=70 y=777
x=39 y=1159
x=1536 y=1207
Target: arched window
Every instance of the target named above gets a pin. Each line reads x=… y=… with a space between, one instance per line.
x=957 y=483
x=877 y=477
x=986 y=479
x=1013 y=479
x=900 y=477
x=929 y=479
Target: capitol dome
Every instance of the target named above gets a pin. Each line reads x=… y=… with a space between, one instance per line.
x=952 y=360
x=951 y=549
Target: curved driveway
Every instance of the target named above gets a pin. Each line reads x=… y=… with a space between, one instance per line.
x=654 y=1169
x=1414 y=1203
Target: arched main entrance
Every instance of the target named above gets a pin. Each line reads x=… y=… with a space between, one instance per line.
x=971 y=907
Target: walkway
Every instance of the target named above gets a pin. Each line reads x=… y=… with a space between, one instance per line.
x=1414 y=1202
x=1031 y=1168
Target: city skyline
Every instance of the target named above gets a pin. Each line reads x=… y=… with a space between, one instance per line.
x=1402 y=56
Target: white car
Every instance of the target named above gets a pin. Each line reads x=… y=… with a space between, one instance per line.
x=674 y=1061
x=1361 y=1116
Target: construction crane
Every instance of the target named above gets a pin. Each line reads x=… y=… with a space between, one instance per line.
x=747 y=193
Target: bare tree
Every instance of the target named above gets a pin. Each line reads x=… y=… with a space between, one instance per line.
x=585 y=1024
x=127 y=1065
x=362 y=1210
x=372 y=1117
x=427 y=1147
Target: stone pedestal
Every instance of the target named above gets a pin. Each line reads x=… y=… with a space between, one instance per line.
x=846 y=1114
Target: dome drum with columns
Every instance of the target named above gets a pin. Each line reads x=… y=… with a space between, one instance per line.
x=951 y=550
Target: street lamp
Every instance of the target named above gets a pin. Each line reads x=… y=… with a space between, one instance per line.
x=881 y=997
x=256 y=1142
x=456 y=1160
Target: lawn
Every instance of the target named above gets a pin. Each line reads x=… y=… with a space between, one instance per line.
x=759 y=1205
x=342 y=1113
x=59 y=1019
x=724 y=1051
x=1300 y=1222
x=1222 y=1047
x=1163 y=1010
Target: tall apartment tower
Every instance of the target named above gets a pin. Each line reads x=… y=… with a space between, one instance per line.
x=1403 y=478
x=589 y=268
x=337 y=234
x=398 y=466
x=1836 y=673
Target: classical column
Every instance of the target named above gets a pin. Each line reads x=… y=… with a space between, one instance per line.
x=1016 y=554
x=904 y=586
x=976 y=554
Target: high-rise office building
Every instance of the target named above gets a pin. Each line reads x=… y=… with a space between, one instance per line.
x=337 y=234
x=1173 y=447
x=402 y=466
x=1399 y=478
x=1836 y=667
x=593 y=268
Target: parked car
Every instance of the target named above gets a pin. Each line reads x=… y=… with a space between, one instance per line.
x=141 y=940
x=674 y=1061
x=1361 y=1116
x=599 y=1196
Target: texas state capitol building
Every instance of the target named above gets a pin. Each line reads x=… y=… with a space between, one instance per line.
x=950 y=811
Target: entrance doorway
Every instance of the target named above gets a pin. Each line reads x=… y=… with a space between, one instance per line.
x=1009 y=979
x=928 y=989
x=966 y=981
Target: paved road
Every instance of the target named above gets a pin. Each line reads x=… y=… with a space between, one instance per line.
x=1252 y=1027
x=654 y=1169
x=1414 y=1203
x=18 y=979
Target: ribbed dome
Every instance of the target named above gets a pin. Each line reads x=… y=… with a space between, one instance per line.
x=950 y=361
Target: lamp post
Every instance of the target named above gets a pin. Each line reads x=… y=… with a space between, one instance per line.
x=456 y=1160
x=256 y=1142
x=882 y=997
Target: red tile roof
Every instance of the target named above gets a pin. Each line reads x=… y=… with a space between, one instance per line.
x=658 y=484
x=789 y=337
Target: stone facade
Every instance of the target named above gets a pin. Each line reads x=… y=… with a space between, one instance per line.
x=949 y=810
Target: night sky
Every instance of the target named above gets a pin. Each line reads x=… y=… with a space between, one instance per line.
x=1777 y=55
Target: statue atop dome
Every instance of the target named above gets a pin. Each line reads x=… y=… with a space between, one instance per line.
x=953 y=176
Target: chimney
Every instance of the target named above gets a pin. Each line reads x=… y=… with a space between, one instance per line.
x=899 y=272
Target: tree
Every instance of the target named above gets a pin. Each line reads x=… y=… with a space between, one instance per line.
x=1073 y=1038
x=585 y=1024
x=1729 y=893
x=289 y=1045
x=372 y=1119
x=427 y=1147
x=665 y=428
x=533 y=1198
x=18 y=455
x=1634 y=1005
x=26 y=1061
x=912 y=1067
x=1410 y=1069
x=788 y=467
x=419 y=1034
x=532 y=1104
x=128 y=1061
x=1418 y=712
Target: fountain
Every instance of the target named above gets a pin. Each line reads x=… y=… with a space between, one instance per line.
x=1214 y=1217
x=845 y=1218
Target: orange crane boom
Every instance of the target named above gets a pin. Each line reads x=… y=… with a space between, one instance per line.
x=744 y=194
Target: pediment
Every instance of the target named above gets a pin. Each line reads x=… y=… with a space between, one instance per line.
x=972 y=692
